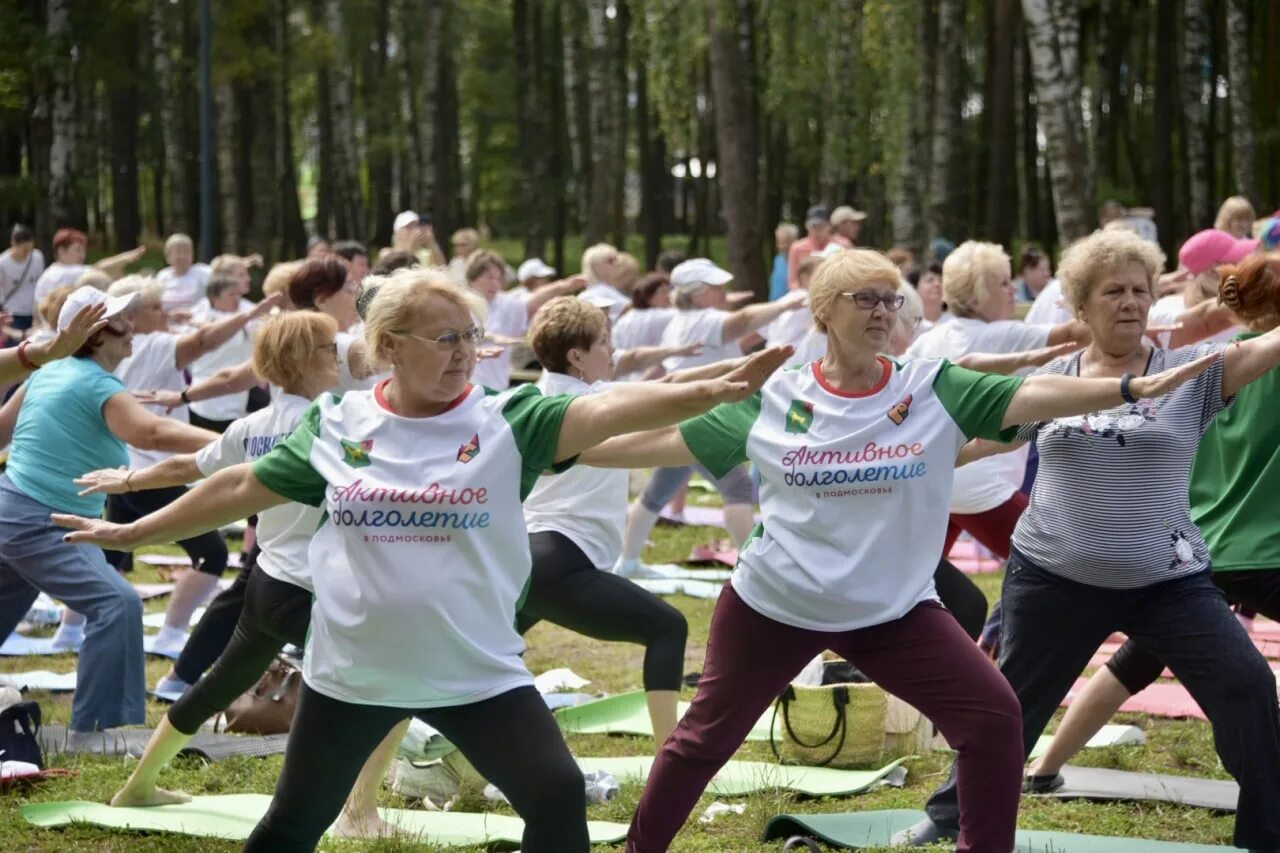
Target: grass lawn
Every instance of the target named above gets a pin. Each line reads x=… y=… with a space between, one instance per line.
x=1181 y=747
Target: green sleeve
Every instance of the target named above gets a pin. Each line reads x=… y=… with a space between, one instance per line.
x=976 y=401
x=287 y=469
x=718 y=439
x=535 y=420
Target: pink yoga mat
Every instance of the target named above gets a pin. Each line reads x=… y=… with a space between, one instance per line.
x=699 y=516
x=1162 y=699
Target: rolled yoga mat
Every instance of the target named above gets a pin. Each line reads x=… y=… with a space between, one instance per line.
x=628 y=713
x=233 y=816
x=211 y=746
x=1096 y=783
x=856 y=830
x=738 y=778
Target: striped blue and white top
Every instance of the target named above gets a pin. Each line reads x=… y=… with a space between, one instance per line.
x=1110 y=507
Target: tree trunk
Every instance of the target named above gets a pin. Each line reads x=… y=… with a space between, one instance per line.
x=1030 y=148
x=653 y=172
x=1168 y=225
x=739 y=145
x=171 y=172
x=533 y=133
x=435 y=52
x=620 y=91
x=66 y=202
x=123 y=97
x=348 y=206
x=947 y=101
x=326 y=178
x=379 y=92
x=446 y=198
x=1059 y=108
x=293 y=233
x=231 y=235
x=561 y=159
x=1242 y=144
x=1001 y=185
x=1196 y=87
x=594 y=98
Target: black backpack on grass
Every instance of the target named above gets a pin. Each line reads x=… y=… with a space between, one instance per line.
x=19 y=730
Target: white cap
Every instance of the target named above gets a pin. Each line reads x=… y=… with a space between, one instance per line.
x=692 y=274
x=83 y=297
x=832 y=248
x=534 y=268
x=404 y=219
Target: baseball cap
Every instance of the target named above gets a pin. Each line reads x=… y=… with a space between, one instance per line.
x=404 y=219
x=534 y=268
x=817 y=215
x=845 y=213
x=83 y=297
x=1205 y=250
x=696 y=272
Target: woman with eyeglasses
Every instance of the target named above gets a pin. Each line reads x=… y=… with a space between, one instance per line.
x=296 y=353
x=857 y=454
x=74 y=416
x=977 y=283
x=423 y=558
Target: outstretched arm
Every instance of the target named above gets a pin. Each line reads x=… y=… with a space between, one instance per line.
x=657 y=448
x=134 y=425
x=14 y=360
x=1049 y=396
x=208 y=338
x=174 y=471
x=229 y=495
x=746 y=320
x=642 y=406
x=1012 y=362
x=1245 y=361
x=547 y=292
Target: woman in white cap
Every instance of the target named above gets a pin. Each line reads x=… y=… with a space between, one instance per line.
x=701 y=318
x=422 y=561
x=75 y=416
x=532 y=275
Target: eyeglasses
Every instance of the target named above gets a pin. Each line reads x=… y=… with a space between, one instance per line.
x=452 y=340
x=869 y=299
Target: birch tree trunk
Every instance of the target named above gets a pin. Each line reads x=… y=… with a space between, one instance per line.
x=168 y=112
x=598 y=146
x=1059 y=109
x=912 y=185
x=946 y=118
x=1242 y=143
x=1001 y=186
x=348 y=207
x=65 y=200
x=535 y=138
x=1195 y=52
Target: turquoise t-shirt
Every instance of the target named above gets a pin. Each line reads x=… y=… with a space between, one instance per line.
x=61 y=434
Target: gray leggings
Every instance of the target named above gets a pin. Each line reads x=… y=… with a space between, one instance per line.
x=734 y=487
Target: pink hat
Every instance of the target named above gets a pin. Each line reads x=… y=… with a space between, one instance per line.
x=1205 y=250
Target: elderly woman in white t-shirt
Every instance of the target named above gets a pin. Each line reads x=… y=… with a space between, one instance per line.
x=701 y=318
x=423 y=559
x=986 y=500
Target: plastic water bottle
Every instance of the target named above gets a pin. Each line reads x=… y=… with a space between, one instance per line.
x=601 y=786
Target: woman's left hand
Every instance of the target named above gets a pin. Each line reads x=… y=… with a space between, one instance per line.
x=746 y=379
x=95 y=531
x=88 y=321
x=105 y=481
x=1159 y=384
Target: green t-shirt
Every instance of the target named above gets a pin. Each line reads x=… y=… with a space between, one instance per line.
x=1235 y=481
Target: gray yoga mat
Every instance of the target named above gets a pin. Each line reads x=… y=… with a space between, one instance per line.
x=1096 y=783
x=212 y=746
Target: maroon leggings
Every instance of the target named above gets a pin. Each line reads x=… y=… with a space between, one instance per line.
x=993 y=528
x=924 y=658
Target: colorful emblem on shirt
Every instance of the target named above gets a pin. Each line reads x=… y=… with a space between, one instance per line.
x=899 y=413
x=799 y=416
x=470 y=450
x=356 y=453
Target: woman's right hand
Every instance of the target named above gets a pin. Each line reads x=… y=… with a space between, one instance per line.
x=95 y=531
x=105 y=481
x=169 y=399
x=1159 y=384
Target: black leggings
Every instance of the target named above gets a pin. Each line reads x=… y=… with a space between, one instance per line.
x=1257 y=590
x=275 y=613
x=209 y=638
x=207 y=551
x=512 y=740
x=567 y=590
x=962 y=597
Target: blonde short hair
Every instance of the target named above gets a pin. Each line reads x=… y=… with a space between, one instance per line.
x=283 y=346
x=278 y=278
x=563 y=324
x=147 y=288
x=51 y=306
x=912 y=310
x=1086 y=261
x=401 y=299
x=593 y=256
x=1236 y=207
x=847 y=272
x=176 y=240
x=483 y=260
x=227 y=264
x=968 y=271
x=97 y=279
x=628 y=272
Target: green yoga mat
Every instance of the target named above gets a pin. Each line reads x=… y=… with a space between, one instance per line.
x=628 y=714
x=855 y=830
x=233 y=817
x=738 y=778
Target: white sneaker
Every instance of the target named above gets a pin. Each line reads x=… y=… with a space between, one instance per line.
x=68 y=639
x=171 y=684
x=170 y=641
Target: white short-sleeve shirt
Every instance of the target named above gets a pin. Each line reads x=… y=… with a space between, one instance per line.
x=699 y=326
x=183 y=291
x=18 y=281
x=508 y=316
x=153 y=367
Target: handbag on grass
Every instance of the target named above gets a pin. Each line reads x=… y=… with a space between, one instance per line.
x=834 y=725
x=267 y=707
x=19 y=730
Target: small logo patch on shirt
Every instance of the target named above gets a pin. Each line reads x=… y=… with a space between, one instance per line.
x=356 y=453
x=899 y=413
x=470 y=450
x=799 y=416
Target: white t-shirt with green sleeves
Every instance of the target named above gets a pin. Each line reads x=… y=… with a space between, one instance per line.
x=423 y=559
x=855 y=489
